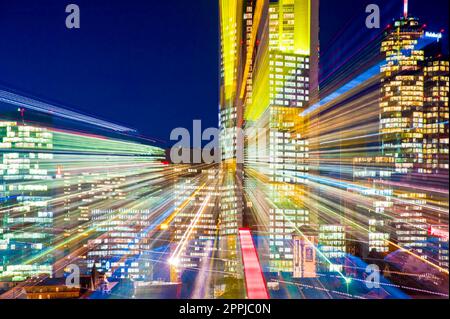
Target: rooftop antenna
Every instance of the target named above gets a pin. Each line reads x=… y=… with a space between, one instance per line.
x=405 y=9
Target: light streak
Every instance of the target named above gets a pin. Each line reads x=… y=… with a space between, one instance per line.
x=175 y=258
x=28 y=103
x=254 y=279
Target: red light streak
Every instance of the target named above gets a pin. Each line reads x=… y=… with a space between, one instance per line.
x=254 y=279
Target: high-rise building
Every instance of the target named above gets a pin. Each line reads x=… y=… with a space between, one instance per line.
x=402 y=96
x=402 y=122
x=269 y=74
x=436 y=128
x=436 y=147
x=122 y=224
x=231 y=12
x=284 y=76
x=236 y=26
x=26 y=217
x=413 y=129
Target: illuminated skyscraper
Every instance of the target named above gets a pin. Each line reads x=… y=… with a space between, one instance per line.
x=436 y=148
x=414 y=128
x=284 y=76
x=121 y=221
x=236 y=23
x=26 y=217
x=231 y=12
x=401 y=104
x=269 y=74
x=436 y=128
x=402 y=122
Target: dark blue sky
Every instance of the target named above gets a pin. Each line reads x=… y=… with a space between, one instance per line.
x=151 y=65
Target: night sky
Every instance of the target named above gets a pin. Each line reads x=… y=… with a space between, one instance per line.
x=151 y=65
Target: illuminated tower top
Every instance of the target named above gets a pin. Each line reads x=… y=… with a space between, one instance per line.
x=405 y=9
x=403 y=35
x=290 y=26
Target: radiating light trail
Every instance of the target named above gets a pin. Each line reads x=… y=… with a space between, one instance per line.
x=175 y=258
x=254 y=279
x=26 y=102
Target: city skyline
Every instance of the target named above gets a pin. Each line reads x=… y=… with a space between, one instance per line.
x=86 y=55
x=326 y=176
